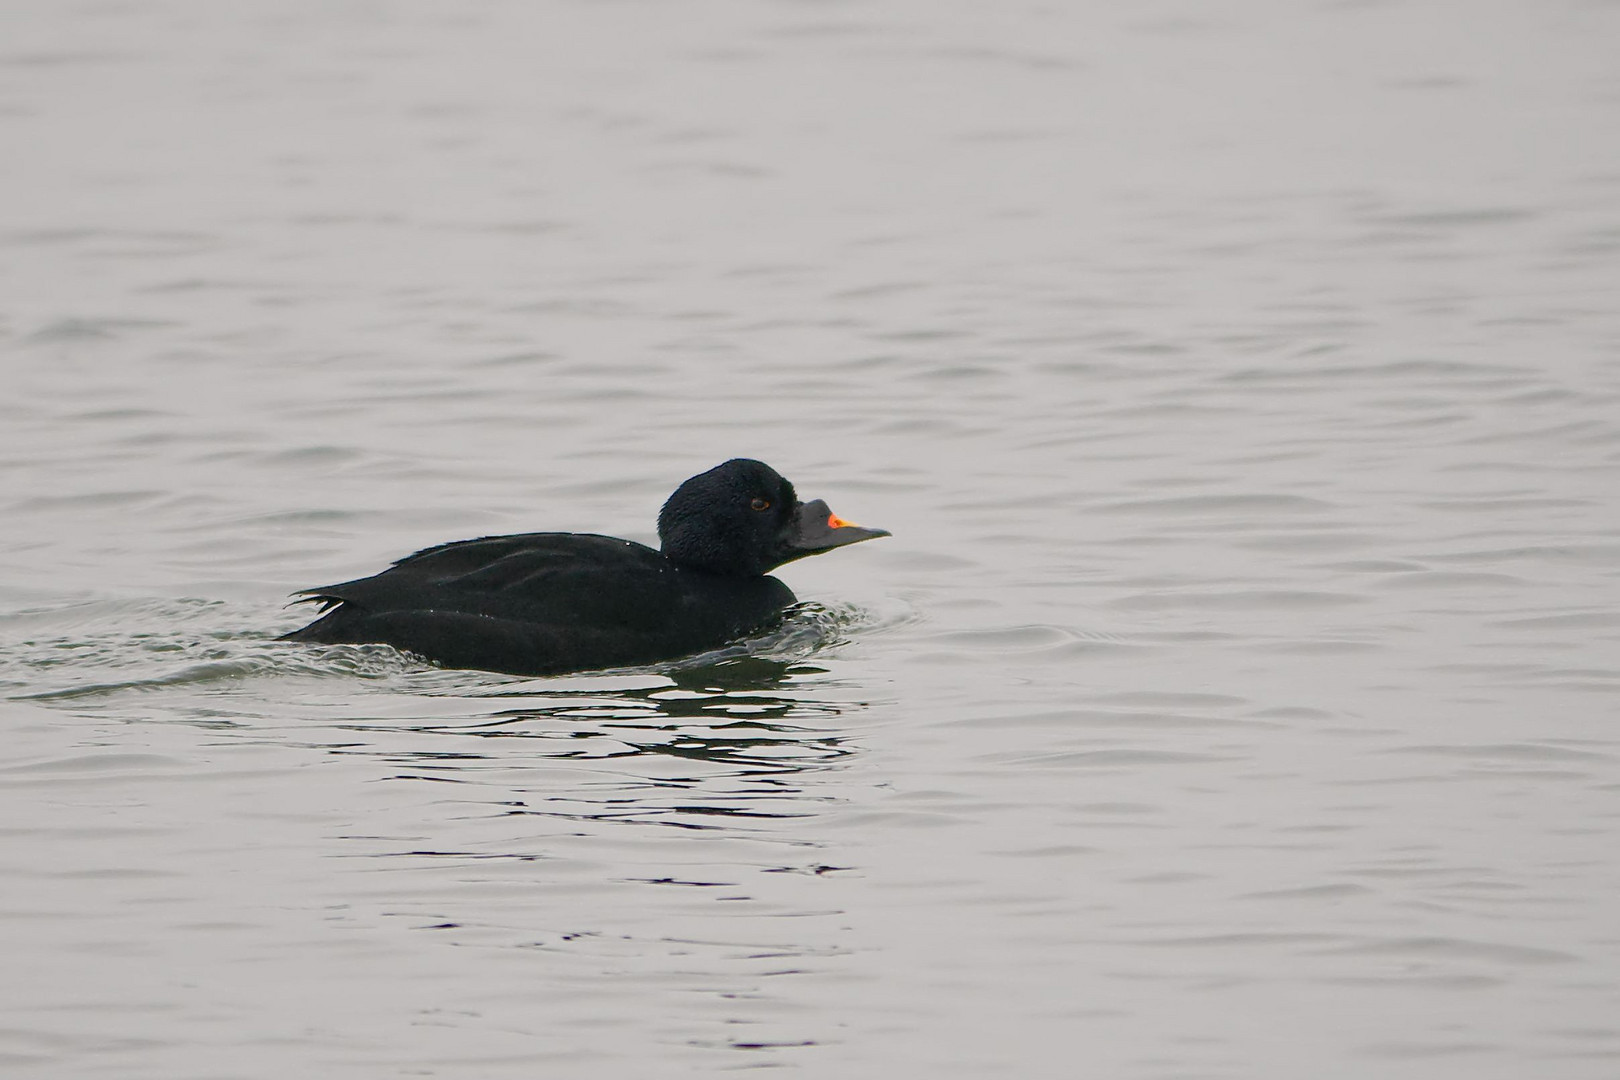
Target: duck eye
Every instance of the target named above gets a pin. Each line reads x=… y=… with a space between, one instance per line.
x=761 y=504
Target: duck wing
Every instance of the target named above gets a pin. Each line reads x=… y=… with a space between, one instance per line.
x=494 y=572
x=542 y=603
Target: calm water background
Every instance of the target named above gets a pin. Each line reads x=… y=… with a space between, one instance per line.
x=1237 y=696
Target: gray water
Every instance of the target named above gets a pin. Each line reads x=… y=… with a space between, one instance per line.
x=1236 y=697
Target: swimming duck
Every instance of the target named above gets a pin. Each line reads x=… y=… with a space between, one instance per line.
x=550 y=603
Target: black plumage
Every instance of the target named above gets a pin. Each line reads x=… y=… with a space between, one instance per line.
x=548 y=603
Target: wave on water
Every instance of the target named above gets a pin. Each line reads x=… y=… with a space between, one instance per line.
x=760 y=706
x=100 y=648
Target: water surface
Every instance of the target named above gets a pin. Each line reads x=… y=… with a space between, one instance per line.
x=1236 y=697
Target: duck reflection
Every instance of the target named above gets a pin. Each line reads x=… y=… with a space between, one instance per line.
x=749 y=713
x=596 y=776
x=751 y=716
x=703 y=747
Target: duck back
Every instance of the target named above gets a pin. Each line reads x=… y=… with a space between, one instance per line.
x=544 y=603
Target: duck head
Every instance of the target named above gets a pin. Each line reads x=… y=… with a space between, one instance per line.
x=743 y=518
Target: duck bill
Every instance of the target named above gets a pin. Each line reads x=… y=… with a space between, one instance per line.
x=819 y=529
